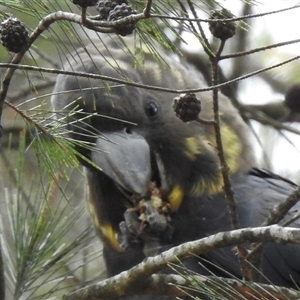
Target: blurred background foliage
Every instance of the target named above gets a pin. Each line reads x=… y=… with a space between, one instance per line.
x=48 y=244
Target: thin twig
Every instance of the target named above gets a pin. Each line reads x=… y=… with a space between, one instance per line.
x=252 y=51
x=149 y=87
x=205 y=43
x=277 y=214
x=225 y=20
x=228 y=191
x=83 y=15
x=27 y=118
x=240 y=43
x=147 y=9
x=187 y=15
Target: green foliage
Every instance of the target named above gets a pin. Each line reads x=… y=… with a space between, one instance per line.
x=45 y=240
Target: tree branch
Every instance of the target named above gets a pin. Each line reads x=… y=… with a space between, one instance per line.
x=134 y=281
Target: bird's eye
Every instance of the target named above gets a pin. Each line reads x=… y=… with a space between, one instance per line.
x=128 y=130
x=151 y=109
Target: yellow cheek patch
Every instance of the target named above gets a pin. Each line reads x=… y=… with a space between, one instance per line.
x=193 y=147
x=175 y=197
x=232 y=147
x=211 y=187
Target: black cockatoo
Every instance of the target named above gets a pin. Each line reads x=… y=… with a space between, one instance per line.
x=139 y=151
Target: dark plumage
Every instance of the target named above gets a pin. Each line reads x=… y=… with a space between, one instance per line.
x=144 y=141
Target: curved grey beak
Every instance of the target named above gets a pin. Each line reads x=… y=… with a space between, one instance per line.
x=125 y=158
